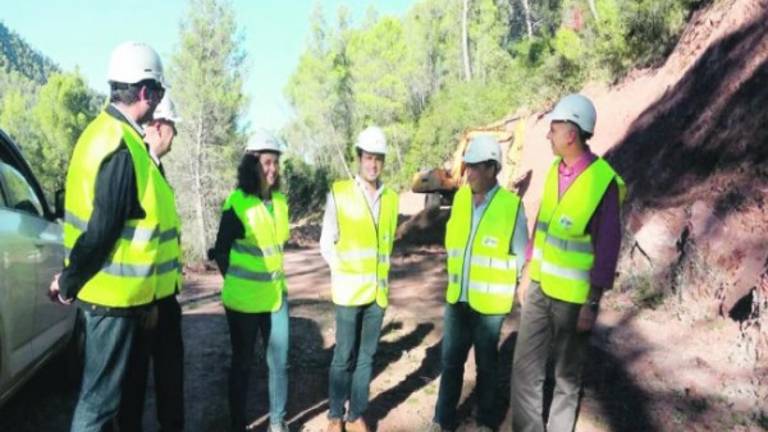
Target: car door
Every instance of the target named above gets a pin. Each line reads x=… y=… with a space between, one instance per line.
x=19 y=259
x=51 y=320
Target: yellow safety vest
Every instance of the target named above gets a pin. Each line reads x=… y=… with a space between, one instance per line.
x=360 y=275
x=131 y=272
x=255 y=280
x=492 y=268
x=169 y=252
x=563 y=254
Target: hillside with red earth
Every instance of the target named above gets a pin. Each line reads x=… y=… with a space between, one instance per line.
x=690 y=138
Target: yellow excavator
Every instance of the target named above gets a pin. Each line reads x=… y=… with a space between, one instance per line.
x=440 y=184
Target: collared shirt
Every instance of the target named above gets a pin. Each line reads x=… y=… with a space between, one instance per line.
x=128 y=119
x=516 y=246
x=567 y=174
x=604 y=227
x=329 y=235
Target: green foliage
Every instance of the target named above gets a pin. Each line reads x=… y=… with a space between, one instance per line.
x=47 y=126
x=16 y=55
x=305 y=185
x=652 y=27
x=42 y=109
x=320 y=91
x=569 y=45
x=407 y=74
x=207 y=74
x=62 y=112
x=468 y=103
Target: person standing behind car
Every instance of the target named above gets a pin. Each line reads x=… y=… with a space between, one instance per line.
x=113 y=214
x=167 y=348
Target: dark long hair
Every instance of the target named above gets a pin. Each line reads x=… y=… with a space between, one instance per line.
x=249 y=175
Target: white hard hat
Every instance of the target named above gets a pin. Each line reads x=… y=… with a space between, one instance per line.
x=482 y=148
x=577 y=109
x=372 y=140
x=132 y=62
x=166 y=110
x=262 y=140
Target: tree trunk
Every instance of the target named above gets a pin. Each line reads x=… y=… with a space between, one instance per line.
x=465 y=41
x=593 y=9
x=528 y=21
x=199 y=204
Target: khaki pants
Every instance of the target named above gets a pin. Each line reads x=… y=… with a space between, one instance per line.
x=547 y=327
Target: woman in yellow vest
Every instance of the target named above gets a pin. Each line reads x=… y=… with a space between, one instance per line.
x=249 y=252
x=485 y=242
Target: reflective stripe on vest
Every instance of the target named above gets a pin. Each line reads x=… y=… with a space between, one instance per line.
x=563 y=254
x=492 y=268
x=255 y=280
x=361 y=272
x=169 y=279
x=129 y=276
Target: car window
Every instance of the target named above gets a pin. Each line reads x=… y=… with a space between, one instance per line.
x=17 y=192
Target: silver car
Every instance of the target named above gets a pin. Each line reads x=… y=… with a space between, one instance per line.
x=32 y=328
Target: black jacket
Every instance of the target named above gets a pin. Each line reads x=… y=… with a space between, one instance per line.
x=116 y=201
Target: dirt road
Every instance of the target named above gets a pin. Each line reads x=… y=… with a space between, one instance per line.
x=621 y=390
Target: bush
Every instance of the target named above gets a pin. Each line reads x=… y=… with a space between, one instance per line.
x=652 y=28
x=306 y=187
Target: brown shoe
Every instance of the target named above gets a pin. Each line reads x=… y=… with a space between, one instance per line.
x=356 y=426
x=334 y=425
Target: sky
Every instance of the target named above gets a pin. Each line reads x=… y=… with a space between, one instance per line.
x=81 y=34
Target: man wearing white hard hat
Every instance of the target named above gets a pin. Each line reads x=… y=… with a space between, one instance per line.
x=356 y=241
x=114 y=213
x=485 y=243
x=249 y=252
x=167 y=348
x=571 y=262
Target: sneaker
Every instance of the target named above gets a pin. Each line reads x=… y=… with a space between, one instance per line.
x=334 y=425
x=482 y=428
x=356 y=426
x=278 y=427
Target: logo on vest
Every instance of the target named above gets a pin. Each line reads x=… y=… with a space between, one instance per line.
x=566 y=222
x=490 y=242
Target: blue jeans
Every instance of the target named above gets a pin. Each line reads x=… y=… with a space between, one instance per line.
x=116 y=351
x=462 y=328
x=243 y=330
x=357 y=338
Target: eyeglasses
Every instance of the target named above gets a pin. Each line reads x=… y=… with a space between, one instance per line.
x=156 y=89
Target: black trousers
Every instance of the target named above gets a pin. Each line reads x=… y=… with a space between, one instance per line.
x=168 y=362
x=167 y=353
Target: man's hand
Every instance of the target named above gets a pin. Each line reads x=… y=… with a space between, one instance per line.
x=587 y=318
x=588 y=312
x=54 y=292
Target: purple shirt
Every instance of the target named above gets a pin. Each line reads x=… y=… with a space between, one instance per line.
x=604 y=227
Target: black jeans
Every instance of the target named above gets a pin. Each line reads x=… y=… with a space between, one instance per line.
x=168 y=364
x=167 y=353
x=116 y=352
